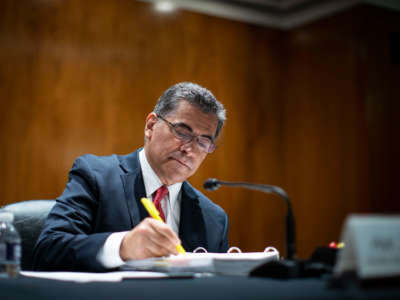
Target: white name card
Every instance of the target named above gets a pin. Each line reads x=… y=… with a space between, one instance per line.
x=372 y=246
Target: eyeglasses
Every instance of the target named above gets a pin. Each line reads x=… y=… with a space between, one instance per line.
x=184 y=134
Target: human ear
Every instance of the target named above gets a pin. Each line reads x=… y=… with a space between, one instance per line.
x=151 y=120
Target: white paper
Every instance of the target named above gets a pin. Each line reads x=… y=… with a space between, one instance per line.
x=218 y=263
x=93 y=277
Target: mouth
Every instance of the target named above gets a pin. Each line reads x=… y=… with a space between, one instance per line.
x=181 y=162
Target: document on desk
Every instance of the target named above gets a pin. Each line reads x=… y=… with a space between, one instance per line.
x=216 y=263
x=93 y=277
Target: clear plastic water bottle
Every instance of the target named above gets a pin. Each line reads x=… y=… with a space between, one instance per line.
x=10 y=246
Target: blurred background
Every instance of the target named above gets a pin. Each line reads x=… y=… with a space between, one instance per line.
x=310 y=87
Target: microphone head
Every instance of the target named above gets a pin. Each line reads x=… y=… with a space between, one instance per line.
x=211 y=184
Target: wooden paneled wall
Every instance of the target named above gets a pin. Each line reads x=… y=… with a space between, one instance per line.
x=311 y=110
x=341 y=121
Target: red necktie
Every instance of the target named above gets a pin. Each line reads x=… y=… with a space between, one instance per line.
x=160 y=194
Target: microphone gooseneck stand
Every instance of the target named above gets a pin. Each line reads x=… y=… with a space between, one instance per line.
x=286 y=268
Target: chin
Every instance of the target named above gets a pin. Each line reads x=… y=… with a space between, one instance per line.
x=176 y=177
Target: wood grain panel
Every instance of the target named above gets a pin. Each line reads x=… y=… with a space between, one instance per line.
x=80 y=77
x=337 y=138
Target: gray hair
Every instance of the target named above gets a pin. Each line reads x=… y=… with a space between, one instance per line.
x=195 y=95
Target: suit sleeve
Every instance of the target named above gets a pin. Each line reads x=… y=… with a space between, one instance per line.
x=68 y=240
x=224 y=246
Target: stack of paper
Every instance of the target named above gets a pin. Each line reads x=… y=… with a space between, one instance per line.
x=217 y=263
x=93 y=277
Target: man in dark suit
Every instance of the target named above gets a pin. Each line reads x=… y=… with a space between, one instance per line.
x=98 y=222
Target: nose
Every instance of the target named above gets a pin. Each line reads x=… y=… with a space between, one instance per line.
x=188 y=147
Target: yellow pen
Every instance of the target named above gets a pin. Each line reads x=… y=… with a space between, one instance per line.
x=153 y=212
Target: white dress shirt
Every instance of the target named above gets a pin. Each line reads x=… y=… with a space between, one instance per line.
x=171 y=205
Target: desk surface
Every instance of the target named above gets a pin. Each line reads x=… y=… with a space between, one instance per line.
x=220 y=287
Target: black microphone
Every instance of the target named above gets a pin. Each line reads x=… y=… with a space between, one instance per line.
x=213 y=184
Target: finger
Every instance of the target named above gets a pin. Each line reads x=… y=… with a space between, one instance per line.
x=154 y=248
x=165 y=231
x=164 y=237
x=139 y=244
x=148 y=239
x=160 y=248
x=152 y=243
x=163 y=240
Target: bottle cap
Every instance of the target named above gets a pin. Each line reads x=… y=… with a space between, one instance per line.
x=6 y=216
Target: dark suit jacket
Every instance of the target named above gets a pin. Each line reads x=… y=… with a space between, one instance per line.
x=102 y=196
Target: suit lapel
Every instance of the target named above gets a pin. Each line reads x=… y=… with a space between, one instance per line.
x=192 y=228
x=133 y=184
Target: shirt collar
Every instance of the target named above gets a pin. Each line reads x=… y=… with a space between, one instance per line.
x=153 y=183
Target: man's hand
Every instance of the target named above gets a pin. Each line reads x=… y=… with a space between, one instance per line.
x=149 y=239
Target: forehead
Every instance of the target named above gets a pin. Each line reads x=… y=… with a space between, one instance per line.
x=194 y=117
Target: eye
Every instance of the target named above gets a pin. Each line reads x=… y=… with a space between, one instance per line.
x=183 y=133
x=203 y=142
